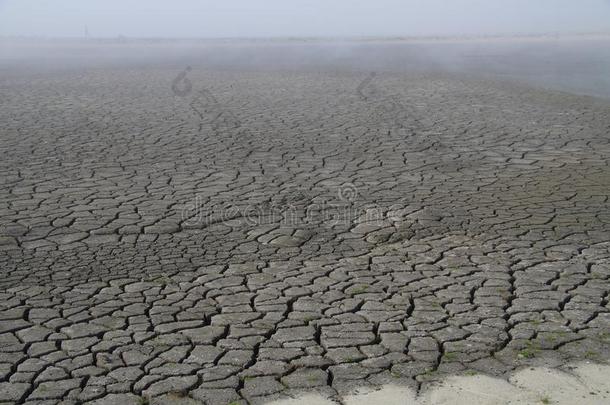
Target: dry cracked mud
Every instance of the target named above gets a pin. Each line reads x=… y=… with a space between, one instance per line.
x=278 y=232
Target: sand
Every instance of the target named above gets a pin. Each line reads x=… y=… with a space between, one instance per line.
x=582 y=383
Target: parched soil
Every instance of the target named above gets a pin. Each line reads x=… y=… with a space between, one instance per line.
x=267 y=232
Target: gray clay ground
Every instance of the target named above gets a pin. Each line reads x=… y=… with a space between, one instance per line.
x=273 y=232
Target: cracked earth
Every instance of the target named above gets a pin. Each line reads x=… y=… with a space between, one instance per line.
x=279 y=232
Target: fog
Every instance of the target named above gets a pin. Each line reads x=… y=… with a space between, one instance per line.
x=299 y=18
x=558 y=44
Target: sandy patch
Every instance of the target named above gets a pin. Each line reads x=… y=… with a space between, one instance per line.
x=582 y=384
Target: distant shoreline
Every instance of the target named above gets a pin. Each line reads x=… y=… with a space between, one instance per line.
x=264 y=40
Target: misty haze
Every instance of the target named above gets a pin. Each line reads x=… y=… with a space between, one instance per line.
x=304 y=202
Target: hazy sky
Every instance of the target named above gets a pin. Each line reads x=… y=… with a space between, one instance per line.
x=268 y=18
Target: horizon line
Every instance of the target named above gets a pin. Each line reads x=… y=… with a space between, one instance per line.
x=309 y=38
